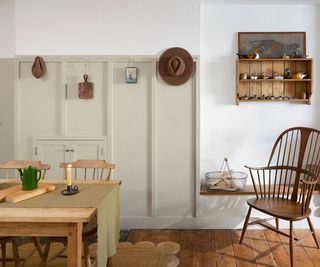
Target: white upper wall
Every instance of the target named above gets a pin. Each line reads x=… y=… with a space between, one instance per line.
x=106 y=27
x=245 y=133
x=263 y=2
x=7 y=44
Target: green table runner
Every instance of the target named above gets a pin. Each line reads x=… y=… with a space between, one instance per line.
x=104 y=197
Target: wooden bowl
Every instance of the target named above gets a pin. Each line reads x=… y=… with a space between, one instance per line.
x=298 y=76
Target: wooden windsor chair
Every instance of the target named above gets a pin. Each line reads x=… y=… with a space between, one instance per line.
x=83 y=169
x=284 y=188
x=8 y=168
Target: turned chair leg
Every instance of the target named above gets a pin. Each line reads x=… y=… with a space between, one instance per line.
x=87 y=260
x=245 y=224
x=277 y=223
x=109 y=262
x=36 y=243
x=291 y=243
x=4 y=253
x=313 y=232
x=15 y=252
x=45 y=254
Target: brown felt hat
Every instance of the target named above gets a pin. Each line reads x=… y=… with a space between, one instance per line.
x=38 y=67
x=175 y=66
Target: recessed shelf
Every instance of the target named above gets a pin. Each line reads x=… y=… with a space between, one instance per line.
x=275 y=80
x=247 y=190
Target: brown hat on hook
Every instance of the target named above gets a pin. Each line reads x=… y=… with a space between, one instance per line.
x=38 y=67
x=175 y=66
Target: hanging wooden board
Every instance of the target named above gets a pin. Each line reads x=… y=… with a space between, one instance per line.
x=85 y=88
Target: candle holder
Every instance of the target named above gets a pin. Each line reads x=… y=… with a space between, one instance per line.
x=70 y=190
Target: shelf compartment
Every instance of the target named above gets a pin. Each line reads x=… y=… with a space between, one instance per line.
x=275 y=80
x=306 y=101
x=299 y=89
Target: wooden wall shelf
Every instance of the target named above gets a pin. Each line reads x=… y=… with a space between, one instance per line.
x=291 y=90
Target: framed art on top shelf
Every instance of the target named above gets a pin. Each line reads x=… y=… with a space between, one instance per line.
x=272 y=44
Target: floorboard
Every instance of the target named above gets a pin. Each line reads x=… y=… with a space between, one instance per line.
x=214 y=248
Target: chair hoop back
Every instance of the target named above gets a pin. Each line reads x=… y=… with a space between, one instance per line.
x=297 y=147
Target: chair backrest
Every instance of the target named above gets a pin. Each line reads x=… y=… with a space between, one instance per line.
x=89 y=169
x=21 y=164
x=297 y=147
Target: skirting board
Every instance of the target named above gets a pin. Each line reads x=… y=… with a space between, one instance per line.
x=200 y=223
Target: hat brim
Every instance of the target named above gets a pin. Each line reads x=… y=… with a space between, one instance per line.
x=163 y=66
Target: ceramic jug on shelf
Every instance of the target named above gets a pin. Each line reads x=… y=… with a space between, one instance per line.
x=29 y=177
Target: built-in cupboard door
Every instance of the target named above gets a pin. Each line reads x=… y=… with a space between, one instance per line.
x=53 y=153
x=87 y=150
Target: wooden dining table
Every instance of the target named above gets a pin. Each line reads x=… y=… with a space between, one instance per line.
x=55 y=215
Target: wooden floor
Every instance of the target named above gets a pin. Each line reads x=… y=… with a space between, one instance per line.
x=210 y=248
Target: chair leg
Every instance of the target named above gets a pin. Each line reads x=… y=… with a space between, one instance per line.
x=109 y=262
x=277 y=223
x=36 y=243
x=291 y=243
x=3 y=253
x=15 y=253
x=313 y=232
x=245 y=224
x=87 y=260
x=45 y=254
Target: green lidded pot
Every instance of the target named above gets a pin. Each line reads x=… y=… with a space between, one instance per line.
x=29 y=177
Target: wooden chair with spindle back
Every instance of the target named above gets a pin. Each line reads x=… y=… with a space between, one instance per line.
x=8 y=168
x=83 y=169
x=284 y=188
x=11 y=165
x=89 y=169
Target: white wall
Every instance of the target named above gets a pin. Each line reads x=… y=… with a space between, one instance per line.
x=7 y=44
x=99 y=27
x=245 y=133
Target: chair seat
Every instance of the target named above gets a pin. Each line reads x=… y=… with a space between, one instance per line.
x=281 y=208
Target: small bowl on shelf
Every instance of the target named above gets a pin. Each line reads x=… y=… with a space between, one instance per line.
x=298 y=76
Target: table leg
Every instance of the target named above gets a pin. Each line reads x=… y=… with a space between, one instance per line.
x=74 y=244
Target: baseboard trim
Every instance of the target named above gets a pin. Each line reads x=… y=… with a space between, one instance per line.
x=198 y=223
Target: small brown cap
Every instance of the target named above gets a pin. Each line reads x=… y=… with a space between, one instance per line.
x=175 y=66
x=38 y=67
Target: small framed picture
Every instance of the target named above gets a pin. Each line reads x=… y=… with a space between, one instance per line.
x=131 y=75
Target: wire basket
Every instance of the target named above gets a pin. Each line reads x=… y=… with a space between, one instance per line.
x=226 y=179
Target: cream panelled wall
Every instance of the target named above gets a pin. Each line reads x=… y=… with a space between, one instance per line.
x=151 y=129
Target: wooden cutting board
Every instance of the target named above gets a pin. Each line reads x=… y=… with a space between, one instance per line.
x=19 y=195
x=7 y=191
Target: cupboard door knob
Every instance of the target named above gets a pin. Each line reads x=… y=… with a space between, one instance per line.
x=67 y=150
x=71 y=150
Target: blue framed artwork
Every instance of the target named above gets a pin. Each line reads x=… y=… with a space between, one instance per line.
x=272 y=44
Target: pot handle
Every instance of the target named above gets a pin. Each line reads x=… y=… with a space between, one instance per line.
x=39 y=171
